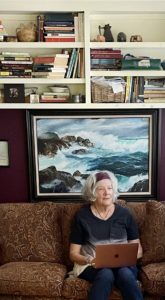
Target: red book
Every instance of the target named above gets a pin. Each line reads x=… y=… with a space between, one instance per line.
x=107 y=55
x=59 y=39
x=104 y=51
x=44 y=59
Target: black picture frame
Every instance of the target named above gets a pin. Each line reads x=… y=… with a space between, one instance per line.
x=65 y=146
x=14 y=93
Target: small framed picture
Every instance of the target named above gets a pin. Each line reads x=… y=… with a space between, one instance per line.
x=34 y=98
x=4 y=153
x=14 y=93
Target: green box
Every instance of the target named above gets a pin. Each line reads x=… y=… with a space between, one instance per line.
x=141 y=64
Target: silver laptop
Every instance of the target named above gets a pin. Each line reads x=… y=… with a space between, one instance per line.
x=116 y=255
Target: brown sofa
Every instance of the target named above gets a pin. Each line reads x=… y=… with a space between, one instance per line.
x=34 y=247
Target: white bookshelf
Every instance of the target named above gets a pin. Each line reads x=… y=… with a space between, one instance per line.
x=146 y=18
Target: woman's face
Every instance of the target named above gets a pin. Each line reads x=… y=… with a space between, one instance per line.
x=104 y=192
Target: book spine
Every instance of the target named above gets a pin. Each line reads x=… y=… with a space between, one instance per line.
x=59 y=39
x=63 y=28
x=59 y=16
x=105 y=51
x=16 y=62
x=48 y=59
x=108 y=55
x=12 y=58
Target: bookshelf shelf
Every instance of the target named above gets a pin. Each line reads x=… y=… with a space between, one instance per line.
x=81 y=106
x=128 y=45
x=42 y=81
x=128 y=73
x=40 y=45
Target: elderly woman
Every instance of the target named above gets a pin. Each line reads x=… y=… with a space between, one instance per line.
x=103 y=221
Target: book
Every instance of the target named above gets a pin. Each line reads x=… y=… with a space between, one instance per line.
x=154 y=100
x=76 y=63
x=59 y=39
x=71 y=63
x=57 y=23
x=105 y=51
x=57 y=59
x=58 y=16
x=81 y=64
x=58 y=28
x=106 y=56
x=5 y=53
x=154 y=95
x=24 y=62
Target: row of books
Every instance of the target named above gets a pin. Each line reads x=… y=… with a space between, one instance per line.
x=106 y=59
x=16 y=65
x=62 y=65
x=60 y=27
x=145 y=89
x=60 y=94
x=52 y=66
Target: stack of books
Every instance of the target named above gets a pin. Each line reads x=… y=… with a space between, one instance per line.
x=154 y=90
x=106 y=59
x=58 y=94
x=3 y=32
x=59 y=27
x=13 y=64
x=52 y=66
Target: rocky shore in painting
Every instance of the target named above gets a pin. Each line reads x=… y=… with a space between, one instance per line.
x=79 y=150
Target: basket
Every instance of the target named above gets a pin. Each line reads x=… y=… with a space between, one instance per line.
x=105 y=94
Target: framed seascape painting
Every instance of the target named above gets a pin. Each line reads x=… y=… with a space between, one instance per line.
x=65 y=146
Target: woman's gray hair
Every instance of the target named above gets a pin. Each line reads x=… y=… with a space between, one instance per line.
x=88 y=191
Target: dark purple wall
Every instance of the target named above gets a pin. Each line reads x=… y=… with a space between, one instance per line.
x=14 y=179
x=14 y=184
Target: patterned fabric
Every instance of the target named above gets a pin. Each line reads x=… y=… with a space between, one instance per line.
x=152 y=277
x=68 y=213
x=32 y=232
x=6 y=297
x=32 y=278
x=139 y=213
x=152 y=236
x=35 y=244
x=76 y=288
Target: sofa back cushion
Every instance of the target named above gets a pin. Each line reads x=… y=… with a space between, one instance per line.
x=30 y=232
x=152 y=235
x=139 y=212
x=68 y=213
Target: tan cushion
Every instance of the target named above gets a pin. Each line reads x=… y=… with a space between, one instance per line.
x=139 y=212
x=153 y=278
x=32 y=232
x=152 y=236
x=32 y=278
x=76 y=288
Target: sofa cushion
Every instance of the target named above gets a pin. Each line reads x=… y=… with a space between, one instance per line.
x=76 y=288
x=32 y=279
x=68 y=213
x=139 y=212
x=32 y=232
x=153 y=278
x=152 y=235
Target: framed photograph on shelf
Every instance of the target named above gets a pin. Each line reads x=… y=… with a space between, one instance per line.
x=14 y=93
x=66 y=146
x=4 y=153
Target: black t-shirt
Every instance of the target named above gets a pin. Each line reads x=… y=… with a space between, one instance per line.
x=88 y=230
